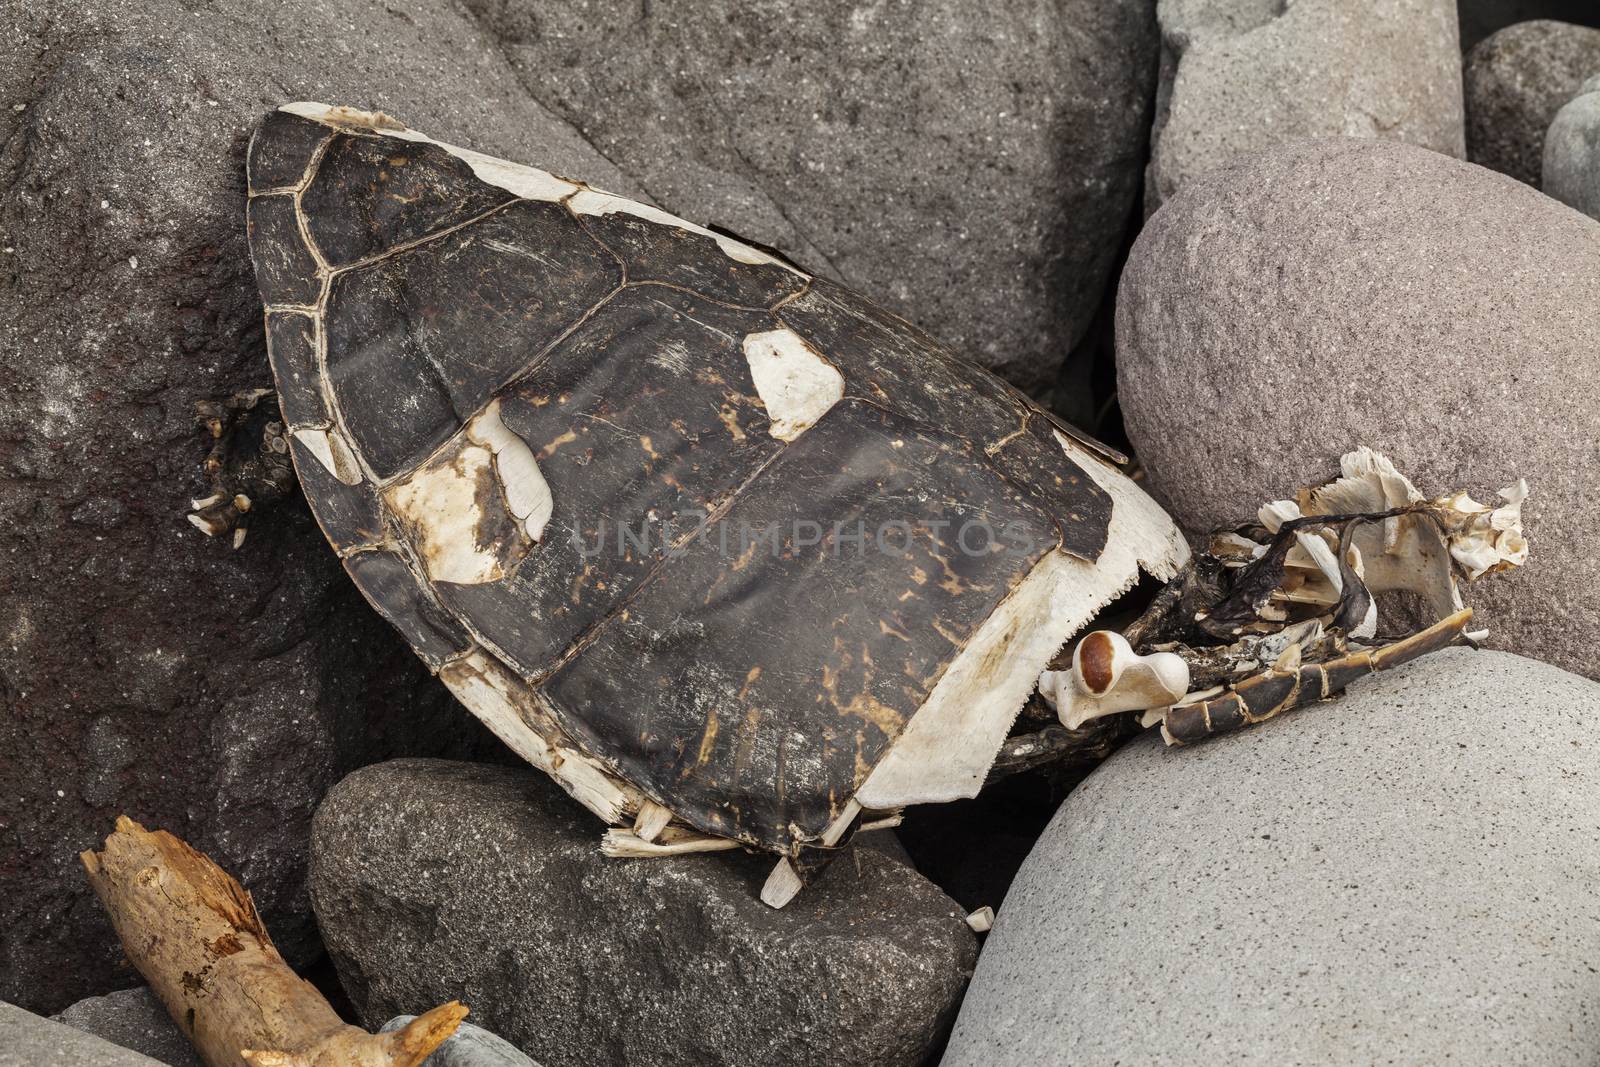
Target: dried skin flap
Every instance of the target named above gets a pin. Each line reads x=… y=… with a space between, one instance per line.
x=501 y=363
x=1285 y=613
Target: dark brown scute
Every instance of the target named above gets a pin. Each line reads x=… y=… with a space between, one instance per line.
x=773 y=679
x=689 y=260
x=891 y=363
x=373 y=194
x=394 y=591
x=418 y=342
x=646 y=408
x=280 y=149
x=286 y=272
x=292 y=347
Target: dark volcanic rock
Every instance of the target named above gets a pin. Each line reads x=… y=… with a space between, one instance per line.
x=971 y=166
x=435 y=880
x=143 y=668
x=1515 y=82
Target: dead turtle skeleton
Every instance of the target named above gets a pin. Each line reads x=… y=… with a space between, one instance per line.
x=734 y=555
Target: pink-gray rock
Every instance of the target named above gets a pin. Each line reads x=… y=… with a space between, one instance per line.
x=1239 y=77
x=437 y=880
x=1337 y=293
x=1516 y=80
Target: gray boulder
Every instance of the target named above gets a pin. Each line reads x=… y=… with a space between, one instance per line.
x=26 y=1040
x=1572 y=151
x=1237 y=78
x=143 y=668
x=469 y=1046
x=1354 y=292
x=1402 y=876
x=971 y=165
x=436 y=880
x=135 y=1019
x=1516 y=81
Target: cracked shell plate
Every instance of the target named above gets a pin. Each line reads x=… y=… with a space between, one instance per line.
x=676 y=520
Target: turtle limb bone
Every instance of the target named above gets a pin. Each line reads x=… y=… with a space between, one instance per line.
x=1107 y=676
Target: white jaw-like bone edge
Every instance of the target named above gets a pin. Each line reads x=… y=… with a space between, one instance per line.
x=1107 y=676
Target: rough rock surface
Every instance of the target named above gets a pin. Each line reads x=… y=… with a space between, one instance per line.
x=469 y=1046
x=1237 y=78
x=26 y=1040
x=1571 y=172
x=1402 y=876
x=971 y=166
x=135 y=1019
x=435 y=880
x=1516 y=81
x=1338 y=293
x=143 y=668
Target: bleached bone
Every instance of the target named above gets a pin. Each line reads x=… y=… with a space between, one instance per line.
x=1107 y=676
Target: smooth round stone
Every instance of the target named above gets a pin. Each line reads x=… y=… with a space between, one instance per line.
x=1515 y=81
x=1403 y=876
x=1572 y=151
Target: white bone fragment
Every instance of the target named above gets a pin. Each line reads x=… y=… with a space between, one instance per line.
x=795 y=383
x=781 y=885
x=332 y=452
x=982 y=920
x=441 y=504
x=1107 y=676
x=651 y=820
x=673 y=841
x=526 y=492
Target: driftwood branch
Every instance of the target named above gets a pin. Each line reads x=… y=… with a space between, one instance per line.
x=194 y=933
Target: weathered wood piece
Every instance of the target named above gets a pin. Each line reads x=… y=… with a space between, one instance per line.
x=194 y=933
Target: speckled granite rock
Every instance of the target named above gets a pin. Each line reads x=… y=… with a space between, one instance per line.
x=26 y=1040
x=1238 y=77
x=437 y=880
x=135 y=1019
x=1403 y=876
x=469 y=1046
x=1354 y=292
x=1571 y=172
x=1516 y=80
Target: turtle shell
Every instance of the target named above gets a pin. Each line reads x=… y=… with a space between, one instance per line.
x=680 y=522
